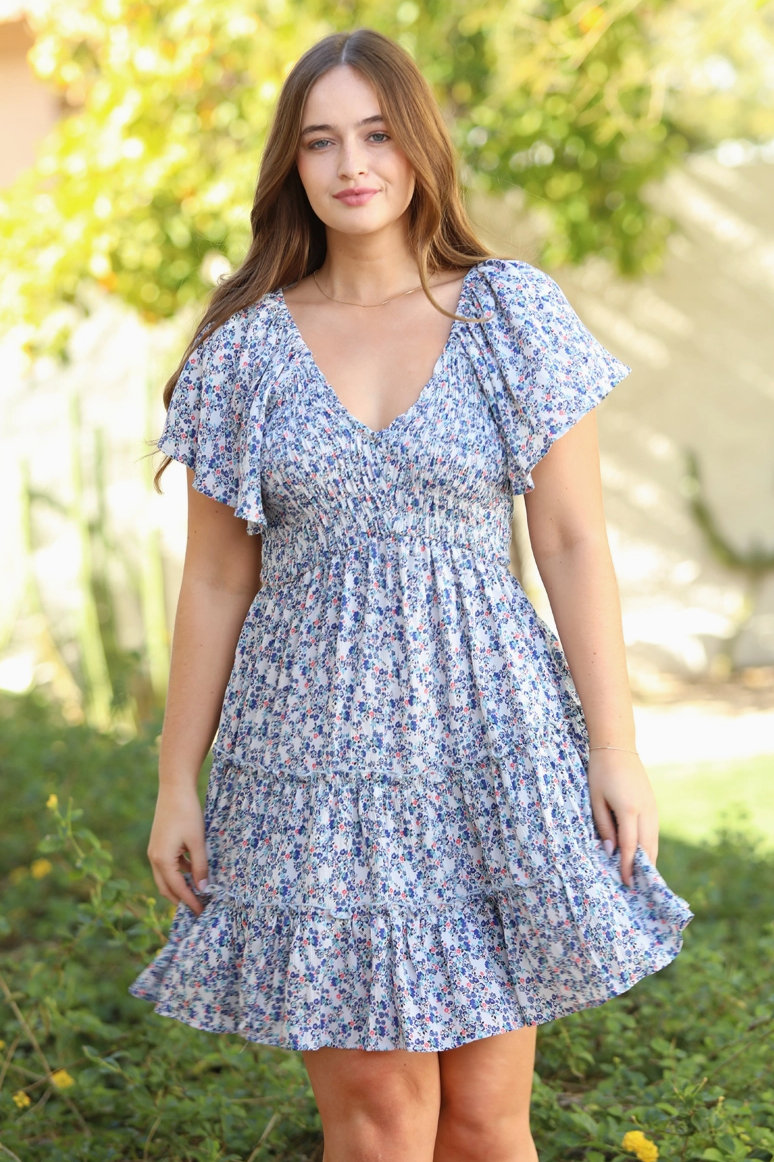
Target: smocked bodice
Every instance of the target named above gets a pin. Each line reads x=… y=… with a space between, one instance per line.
x=330 y=486
x=389 y=634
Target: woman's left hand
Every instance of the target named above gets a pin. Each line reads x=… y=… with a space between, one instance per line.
x=624 y=806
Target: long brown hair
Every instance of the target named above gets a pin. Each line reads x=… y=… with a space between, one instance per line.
x=289 y=239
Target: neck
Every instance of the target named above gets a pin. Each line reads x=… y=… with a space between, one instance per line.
x=368 y=269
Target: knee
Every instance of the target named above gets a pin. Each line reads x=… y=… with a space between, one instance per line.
x=393 y=1119
x=394 y=1101
x=467 y=1135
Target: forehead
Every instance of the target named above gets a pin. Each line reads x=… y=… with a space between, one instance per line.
x=341 y=95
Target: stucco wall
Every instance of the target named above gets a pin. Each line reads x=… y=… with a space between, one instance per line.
x=27 y=108
x=699 y=338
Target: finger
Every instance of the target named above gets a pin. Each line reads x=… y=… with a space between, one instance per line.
x=197 y=853
x=197 y=872
x=186 y=895
x=163 y=887
x=605 y=824
x=178 y=888
x=627 y=841
x=648 y=833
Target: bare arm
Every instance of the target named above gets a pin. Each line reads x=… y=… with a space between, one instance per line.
x=221 y=576
x=568 y=536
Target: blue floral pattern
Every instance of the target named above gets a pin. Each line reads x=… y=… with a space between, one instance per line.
x=402 y=852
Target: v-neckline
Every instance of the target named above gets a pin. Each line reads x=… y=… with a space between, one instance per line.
x=437 y=367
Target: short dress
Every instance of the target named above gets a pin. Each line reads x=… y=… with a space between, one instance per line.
x=401 y=848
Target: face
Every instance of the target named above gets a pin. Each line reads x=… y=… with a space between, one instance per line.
x=357 y=179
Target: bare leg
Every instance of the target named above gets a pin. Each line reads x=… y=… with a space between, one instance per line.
x=376 y=1106
x=485 y=1095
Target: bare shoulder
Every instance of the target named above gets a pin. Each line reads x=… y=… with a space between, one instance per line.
x=447 y=278
x=446 y=287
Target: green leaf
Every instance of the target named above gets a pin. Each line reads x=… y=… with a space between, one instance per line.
x=585 y=1121
x=49 y=844
x=662 y=1047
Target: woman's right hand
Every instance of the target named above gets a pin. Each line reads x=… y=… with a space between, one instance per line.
x=177 y=845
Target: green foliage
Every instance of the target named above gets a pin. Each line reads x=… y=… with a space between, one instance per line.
x=88 y=1073
x=78 y=923
x=154 y=167
x=559 y=102
x=145 y=186
x=686 y=1055
x=583 y=105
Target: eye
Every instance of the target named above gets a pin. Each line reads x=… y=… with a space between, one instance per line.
x=379 y=136
x=320 y=142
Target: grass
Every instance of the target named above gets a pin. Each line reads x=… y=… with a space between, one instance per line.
x=696 y=799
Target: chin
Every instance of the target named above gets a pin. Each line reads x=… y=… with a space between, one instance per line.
x=359 y=223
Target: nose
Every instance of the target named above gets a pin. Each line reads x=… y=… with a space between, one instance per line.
x=352 y=159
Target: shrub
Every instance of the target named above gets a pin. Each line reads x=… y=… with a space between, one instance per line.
x=679 y=1065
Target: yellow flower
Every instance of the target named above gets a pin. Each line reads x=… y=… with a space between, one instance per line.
x=2 y=1046
x=40 y=868
x=22 y=1099
x=636 y=1143
x=17 y=875
x=52 y=802
x=61 y=1079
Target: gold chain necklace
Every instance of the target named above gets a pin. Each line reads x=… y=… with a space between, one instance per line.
x=346 y=303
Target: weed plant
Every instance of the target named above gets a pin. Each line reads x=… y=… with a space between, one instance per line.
x=677 y=1068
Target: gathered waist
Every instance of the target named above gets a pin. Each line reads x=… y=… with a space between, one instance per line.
x=293 y=550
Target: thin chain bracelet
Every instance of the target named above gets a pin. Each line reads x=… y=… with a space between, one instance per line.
x=621 y=748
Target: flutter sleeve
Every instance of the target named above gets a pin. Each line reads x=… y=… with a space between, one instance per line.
x=549 y=369
x=215 y=419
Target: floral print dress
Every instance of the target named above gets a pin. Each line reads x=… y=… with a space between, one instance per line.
x=401 y=847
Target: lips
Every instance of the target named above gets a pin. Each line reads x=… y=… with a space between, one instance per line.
x=355 y=196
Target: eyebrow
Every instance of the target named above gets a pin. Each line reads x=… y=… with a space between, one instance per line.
x=330 y=128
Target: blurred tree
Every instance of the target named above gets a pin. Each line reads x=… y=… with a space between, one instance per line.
x=581 y=105
x=145 y=187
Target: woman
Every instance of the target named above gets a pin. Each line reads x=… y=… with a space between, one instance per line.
x=421 y=842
